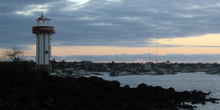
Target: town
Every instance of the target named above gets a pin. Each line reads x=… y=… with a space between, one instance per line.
x=82 y=68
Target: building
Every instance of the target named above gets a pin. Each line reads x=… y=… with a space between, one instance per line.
x=43 y=33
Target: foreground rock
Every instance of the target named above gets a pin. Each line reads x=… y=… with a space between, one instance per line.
x=56 y=93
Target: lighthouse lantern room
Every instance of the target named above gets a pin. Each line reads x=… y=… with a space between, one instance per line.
x=43 y=33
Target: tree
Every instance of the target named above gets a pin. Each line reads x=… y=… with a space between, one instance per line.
x=14 y=54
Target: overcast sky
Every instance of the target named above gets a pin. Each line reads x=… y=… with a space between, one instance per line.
x=122 y=24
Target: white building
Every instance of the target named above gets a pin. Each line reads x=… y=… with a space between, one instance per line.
x=43 y=46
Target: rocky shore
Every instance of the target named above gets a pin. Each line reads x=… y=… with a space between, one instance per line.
x=57 y=93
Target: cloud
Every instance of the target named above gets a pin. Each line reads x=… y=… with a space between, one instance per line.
x=122 y=23
x=114 y=0
x=73 y=5
x=30 y=9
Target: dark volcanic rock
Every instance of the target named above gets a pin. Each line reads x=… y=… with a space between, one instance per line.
x=56 y=93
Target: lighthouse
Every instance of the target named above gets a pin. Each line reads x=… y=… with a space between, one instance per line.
x=43 y=33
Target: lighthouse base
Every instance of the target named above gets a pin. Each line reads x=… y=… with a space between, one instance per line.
x=44 y=67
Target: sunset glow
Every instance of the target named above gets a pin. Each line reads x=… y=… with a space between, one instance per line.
x=191 y=45
x=203 y=40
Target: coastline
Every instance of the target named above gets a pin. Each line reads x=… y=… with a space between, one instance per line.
x=82 y=93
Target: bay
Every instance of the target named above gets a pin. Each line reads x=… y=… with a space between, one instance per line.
x=199 y=81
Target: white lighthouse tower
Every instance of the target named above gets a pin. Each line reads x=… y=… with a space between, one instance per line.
x=43 y=46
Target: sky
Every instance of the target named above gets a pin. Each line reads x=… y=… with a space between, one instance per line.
x=98 y=28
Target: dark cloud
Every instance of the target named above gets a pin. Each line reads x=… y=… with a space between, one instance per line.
x=127 y=23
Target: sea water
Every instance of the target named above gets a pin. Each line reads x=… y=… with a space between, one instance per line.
x=199 y=81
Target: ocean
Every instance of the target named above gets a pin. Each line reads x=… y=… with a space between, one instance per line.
x=199 y=81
